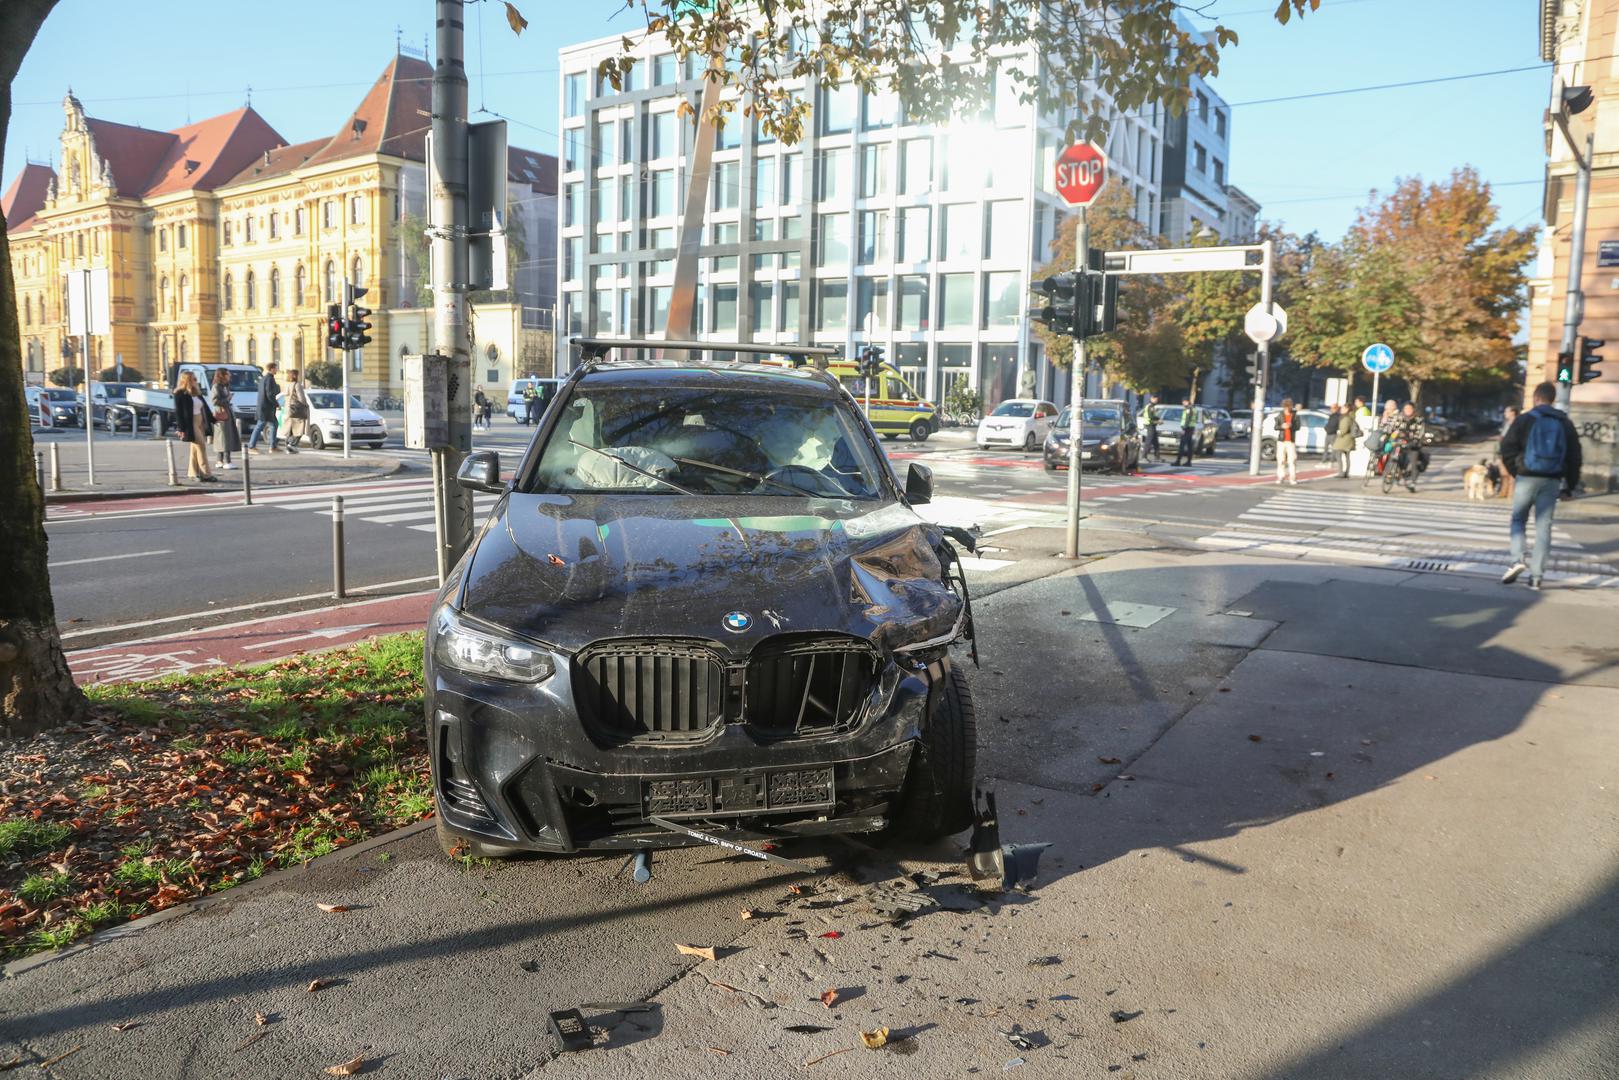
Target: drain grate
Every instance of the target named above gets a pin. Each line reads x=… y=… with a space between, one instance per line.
x=1428 y=564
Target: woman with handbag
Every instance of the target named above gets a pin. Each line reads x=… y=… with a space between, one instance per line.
x=194 y=417
x=1343 y=442
x=227 y=433
x=297 y=407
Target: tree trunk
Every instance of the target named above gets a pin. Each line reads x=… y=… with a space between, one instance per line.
x=36 y=689
x=1415 y=387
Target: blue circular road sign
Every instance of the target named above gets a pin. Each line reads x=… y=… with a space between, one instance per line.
x=1377 y=358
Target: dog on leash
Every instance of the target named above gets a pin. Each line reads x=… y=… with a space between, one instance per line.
x=1501 y=481
x=1476 y=481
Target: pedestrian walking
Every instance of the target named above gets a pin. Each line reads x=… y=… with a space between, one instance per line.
x=1191 y=416
x=1335 y=419
x=297 y=411
x=488 y=410
x=269 y=392
x=531 y=402
x=1542 y=451
x=1508 y=416
x=1153 y=416
x=1348 y=434
x=480 y=405
x=227 y=433
x=194 y=417
x=1286 y=425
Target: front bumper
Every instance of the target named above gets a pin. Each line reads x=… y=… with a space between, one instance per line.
x=515 y=766
x=1056 y=456
x=1001 y=438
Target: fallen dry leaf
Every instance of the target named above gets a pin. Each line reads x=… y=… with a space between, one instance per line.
x=704 y=951
x=14 y=1063
x=333 y=908
x=834 y=934
x=349 y=1067
x=717 y=1050
x=798 y=890
x=1108 y=760
x=515 y=19
x=260 y=1019
x=125 y=1025
x=829 y=997
x=748 y=913
x=317 y=984
x=1254 y=738
x=875 y=1040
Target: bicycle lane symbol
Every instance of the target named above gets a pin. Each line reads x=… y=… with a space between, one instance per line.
x=130 y=666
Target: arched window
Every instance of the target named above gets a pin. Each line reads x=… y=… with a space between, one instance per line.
x=180 y=237
x=227 y=233
x=357 y=272
x=230 y=351
x=247 y=229
x=185 y=291
x=163 y=298
x=300 y=283
x=298 y=219
x=185 y=352
x=165 y=354
x=252 y=350
x=28 y=310
x=229 y=294
x=331 y=282
x=275 y=228
x=275 y=288
x=275 y=348
x=249 y=299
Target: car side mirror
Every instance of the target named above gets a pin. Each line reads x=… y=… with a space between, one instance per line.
x=918 y=484
x=481 y=472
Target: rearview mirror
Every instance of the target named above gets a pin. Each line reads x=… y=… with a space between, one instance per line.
x=918 y=484
x=481 y=472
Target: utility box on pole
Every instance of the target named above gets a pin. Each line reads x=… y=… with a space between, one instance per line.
x=486 y=206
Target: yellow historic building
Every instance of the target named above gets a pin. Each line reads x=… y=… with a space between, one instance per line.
x=223 y=242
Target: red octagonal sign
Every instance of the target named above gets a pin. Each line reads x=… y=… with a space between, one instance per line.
x=1081 y=174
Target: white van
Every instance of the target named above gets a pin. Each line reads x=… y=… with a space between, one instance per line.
x=517 y=405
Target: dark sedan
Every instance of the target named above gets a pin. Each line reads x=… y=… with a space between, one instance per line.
x=1109 y=441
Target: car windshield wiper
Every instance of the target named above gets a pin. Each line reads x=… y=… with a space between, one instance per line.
x=633 y=468
x=755 y=477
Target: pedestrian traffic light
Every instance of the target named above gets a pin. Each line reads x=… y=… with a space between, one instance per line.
x=355 y=326
x=1102 y=310
x=1565 y=368
x=1061 y=292
x=334 y=326
x=1590 y=358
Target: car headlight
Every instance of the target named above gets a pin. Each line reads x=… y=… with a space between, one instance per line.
x=459 y=645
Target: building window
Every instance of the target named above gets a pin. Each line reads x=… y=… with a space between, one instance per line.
x=1202 y=157
x=356 y=210
x=837 y=108
x=790 y=178
x=657 y=307
x=226 y=226
x=913 y=302
x=328 y=213
x=956 y=301
x=1219 y=124
x=832 y=240
x=873 y=237
x=916 y=234
x=275 y=349
x=764 y=182
x=873 y=170
x=184 y=292
x=961 y=239
x=572 y=249
x=1202 y=106
x=28 y=314
x=606 y=200
x=162 y=241
x=665 y=133
x=275 y=226
x=663 y=194
x=573 y=93
x=185 y=350
x=163 y=311
x=663 y=70
x=916 y=167
x=831 y=172
x=571 y=156
x=298 y=350
x=228 y=294
x=300 y=281
x=250 y=292
x=230 y=351
x=603 y=151
x=247 y=230
x=871 y=304
x=331 y=282
x=729 y=136
x=252 y=350
x=1003 y=232
x=727 y=184
x=357 y=271
x=275 y=288
x=298 y=217
x=725 y=308
x=831 y=304
x=760 y=295
x=1219 y=173
x=1002 y=293
x=881 y=109
x=787 y=320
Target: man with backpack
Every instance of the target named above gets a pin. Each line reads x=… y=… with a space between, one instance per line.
x=1542 y=450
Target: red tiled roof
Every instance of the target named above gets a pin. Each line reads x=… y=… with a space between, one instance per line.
x=132 y=152
x=210 y=152
x=26 y=195
x=283 y=159
x=390 y=119
x=530 y=167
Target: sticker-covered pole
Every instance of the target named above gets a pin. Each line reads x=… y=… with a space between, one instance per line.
x=1076 y=394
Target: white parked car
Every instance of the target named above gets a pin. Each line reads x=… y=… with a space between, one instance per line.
x=1019 y=422
x=326 y=421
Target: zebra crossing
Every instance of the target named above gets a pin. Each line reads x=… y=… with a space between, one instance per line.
x=407 y=503
x=1397 y=533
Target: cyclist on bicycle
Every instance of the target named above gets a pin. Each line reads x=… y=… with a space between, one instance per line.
x=1408 y=436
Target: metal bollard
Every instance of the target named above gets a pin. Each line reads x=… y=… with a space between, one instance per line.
x=338 y=585
x=56 y=469
x=39 y=467
x=247 y=477
x=168 y=452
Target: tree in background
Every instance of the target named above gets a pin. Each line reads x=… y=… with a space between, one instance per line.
x=1426 y=271
x=324 y=374
x=66 y=376
x=1144 y=351
x=131 y=374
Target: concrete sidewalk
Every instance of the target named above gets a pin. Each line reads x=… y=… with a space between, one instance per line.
x=1308 y=821
x=129 y=468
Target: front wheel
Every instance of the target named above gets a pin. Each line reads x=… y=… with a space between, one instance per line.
x=1267 y=450
x=1028 y=443
x=1391 y=473
x=937 y=799
x=920 y=431
x=456 y=846
x=316 y=439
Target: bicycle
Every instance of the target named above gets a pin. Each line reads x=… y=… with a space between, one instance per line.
x=1395 y=470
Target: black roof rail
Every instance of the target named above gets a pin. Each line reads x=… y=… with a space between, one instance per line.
x=595 y=348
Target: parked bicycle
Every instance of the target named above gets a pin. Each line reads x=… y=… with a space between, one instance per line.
x=383 y=401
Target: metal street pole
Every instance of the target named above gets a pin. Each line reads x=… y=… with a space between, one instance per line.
x=451 y=336
x=1262 y=368
x=346 y=362
x=1574 y=301
x=89 y=413
x=1076 y=395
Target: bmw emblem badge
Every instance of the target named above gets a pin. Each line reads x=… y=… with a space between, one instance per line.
x=737 y=621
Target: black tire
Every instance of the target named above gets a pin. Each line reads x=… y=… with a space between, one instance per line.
x=1267 y=450
x=1029 y=444
x=937 y=799
x=1050 y=467
x=1391 y=472
x=920 y=431
x=316 y=439
x=456 y=846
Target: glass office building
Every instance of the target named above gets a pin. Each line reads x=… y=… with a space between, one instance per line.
x=920 y=238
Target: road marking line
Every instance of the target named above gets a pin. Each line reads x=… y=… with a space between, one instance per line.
x=109 y=558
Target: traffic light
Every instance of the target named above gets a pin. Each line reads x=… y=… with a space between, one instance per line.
x=1102 y=311
x=871 y=360
x=334 y=326
x=1060 y=291
x=355 y=326
x=1589 y=359
x=1565 y=368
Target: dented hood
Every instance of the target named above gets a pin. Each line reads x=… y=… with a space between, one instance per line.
x=569 y=570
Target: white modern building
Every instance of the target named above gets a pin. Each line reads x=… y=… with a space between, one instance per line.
x=872 y=229
x=1197 y=159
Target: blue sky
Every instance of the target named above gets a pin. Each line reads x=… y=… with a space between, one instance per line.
x=1309 y=162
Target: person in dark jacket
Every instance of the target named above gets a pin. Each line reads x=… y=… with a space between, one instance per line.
x=1542 y=451
x=1334 y=419
x=195 y=419
x=227 y=435
x=269 y=392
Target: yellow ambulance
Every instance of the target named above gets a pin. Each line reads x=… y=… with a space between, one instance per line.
x=896 y=408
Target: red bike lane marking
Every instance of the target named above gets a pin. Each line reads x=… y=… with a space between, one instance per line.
x=253 y=641
x=1158 y=487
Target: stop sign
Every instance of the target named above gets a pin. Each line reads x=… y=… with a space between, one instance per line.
x=1081 y=174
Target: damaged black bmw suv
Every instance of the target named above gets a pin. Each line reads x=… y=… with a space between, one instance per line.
x=703 y=599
